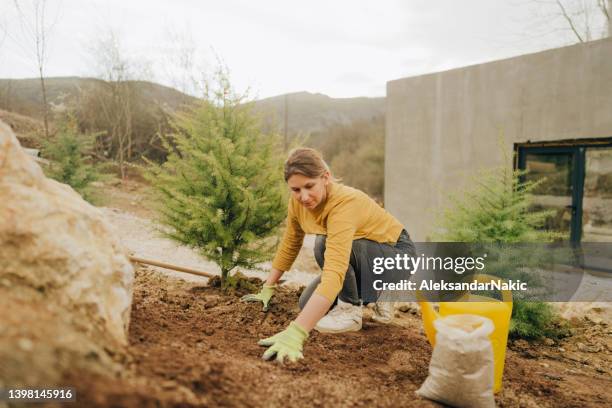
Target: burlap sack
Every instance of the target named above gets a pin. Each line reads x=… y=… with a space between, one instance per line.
x=461 y=366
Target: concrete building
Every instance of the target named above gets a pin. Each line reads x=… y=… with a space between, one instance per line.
x=553 y=108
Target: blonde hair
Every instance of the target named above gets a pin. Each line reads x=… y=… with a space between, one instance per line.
x=307 y=162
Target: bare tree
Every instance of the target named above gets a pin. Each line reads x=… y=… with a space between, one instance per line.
x=2 y=32
x=183 y=63
x=584 y=20
x=606 y=8
x=36 y=28
x=5 y=90
x=115 y=97
x=6 y=94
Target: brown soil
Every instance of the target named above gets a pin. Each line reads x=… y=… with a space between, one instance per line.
x=196 y=346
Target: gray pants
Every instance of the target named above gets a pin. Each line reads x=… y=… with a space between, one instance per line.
x=362 y=254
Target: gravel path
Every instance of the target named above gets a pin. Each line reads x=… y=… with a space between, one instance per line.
x=142 y=239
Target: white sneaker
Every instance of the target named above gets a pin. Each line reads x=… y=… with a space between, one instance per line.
x=383 y=312
x=344 y=317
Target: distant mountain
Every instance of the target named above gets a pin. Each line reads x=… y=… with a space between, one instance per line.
x=307 y=112
x=24 y=96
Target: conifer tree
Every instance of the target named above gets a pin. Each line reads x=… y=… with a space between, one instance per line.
x=221 y=189
x=496 y=210
x=67 y=152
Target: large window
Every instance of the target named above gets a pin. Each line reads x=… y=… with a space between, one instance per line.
x=597 y=195
x=576 y=186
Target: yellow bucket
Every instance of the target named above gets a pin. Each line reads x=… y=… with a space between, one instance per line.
x=498 y=311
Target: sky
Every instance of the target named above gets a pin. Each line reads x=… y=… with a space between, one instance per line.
x=341 y=48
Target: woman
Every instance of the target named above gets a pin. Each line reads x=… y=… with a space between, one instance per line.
x=352 y=229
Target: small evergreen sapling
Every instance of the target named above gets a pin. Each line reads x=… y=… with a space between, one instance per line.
x=496 y=210
x=221 y=189
x=67 y=153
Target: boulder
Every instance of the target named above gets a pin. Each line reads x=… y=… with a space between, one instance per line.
x=65 y=280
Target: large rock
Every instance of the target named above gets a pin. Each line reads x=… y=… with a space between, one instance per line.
x=65 y=281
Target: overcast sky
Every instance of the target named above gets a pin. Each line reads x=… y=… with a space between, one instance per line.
x=342 y=48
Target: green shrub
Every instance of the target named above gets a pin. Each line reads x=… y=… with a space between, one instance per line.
x=534 y=320
x=69 y=163
x=221 y=190
x=497 y=210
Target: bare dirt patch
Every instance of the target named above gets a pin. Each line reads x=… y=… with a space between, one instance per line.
x=192 y=345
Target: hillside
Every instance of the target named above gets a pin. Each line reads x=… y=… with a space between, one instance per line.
x=25 y=127
x=23 y=95
x=307 y=112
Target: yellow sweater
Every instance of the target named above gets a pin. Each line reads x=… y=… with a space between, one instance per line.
x=347 y=214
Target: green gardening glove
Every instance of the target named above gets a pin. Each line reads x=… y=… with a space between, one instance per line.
x=287 y=343
x=264 y=295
